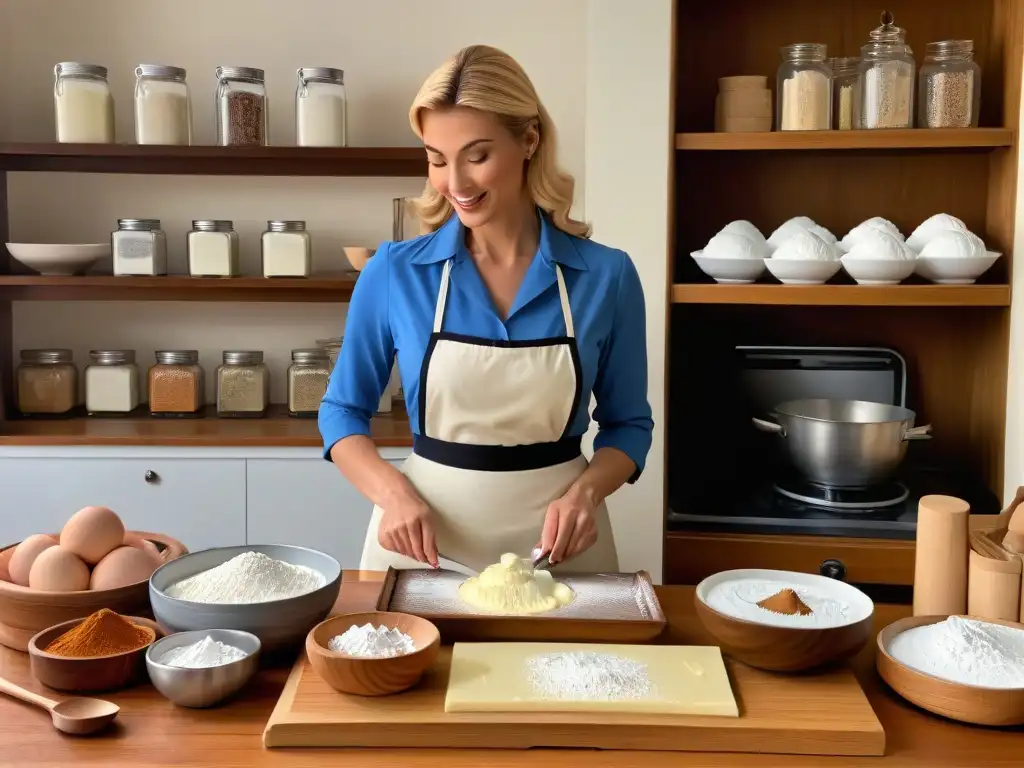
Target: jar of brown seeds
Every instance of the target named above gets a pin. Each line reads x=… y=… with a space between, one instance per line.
x=950 y=86
x=241 y=107
x=175 y=384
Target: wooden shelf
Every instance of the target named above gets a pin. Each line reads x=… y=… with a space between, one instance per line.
x=219 y=161
x=844 y=295
x=277 y=429
x=176 y=288
x=915 y=138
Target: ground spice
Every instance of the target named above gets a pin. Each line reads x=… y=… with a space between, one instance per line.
x=245 y=119
x=102 y=634
x=175 y=390
x=785 y=601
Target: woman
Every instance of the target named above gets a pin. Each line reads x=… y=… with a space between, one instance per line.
x=504 y=319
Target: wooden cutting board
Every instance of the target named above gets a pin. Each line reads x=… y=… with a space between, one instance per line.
x=825 y=714
x=682 y=679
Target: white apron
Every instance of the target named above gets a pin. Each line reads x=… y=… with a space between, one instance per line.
x=494 y=449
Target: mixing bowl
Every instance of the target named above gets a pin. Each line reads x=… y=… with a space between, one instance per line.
x=207 y=686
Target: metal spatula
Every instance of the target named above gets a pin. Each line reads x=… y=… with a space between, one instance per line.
x=446 y=563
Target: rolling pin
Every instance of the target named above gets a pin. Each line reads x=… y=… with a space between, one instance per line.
x=941 y=556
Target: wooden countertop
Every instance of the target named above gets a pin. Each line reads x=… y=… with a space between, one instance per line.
x=150 y=731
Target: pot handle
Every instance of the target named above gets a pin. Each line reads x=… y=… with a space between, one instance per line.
x=769 y=426
x=918 y=433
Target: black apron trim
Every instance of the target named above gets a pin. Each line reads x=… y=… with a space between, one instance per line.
x=497 y=458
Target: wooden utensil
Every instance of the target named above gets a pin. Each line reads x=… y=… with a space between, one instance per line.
x=77 y=716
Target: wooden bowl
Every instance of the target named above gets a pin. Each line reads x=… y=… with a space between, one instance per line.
x=787 y=648
x=98 y=673
x=957 y=701
x=24 y=611
x=370 y=676
x=358 y=256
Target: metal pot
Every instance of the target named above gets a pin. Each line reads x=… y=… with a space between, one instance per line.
x=844 y=443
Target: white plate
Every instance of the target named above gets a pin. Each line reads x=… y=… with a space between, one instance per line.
x=955 y=271
x=60 y=258
x=729 y=270
x=802 y=271
x=878 y=271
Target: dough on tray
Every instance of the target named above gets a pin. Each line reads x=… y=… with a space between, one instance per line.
x=512 y=587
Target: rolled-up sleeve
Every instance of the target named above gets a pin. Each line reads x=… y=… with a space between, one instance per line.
x=622 y=411
x=365 y=360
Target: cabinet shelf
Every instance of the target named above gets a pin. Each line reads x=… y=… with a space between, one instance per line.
x=844 y=295
x=215 y=161
x=277 y=429
x=914 y=138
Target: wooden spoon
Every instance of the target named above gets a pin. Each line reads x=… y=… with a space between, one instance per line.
x=77 y=716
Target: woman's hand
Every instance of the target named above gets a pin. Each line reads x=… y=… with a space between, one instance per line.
x=569 y=526
x=407 y=528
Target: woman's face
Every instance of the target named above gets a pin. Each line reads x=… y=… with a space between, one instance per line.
x=476 y=162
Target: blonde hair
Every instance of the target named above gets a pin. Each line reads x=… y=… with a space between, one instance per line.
x=490 y=80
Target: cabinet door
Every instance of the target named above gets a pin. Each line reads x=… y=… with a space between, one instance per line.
x=200 y=502
x=308 y=503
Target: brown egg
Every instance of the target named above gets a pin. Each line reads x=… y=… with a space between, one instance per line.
x=58 y=570
x=147 y=546
x=25 y=554
x=5 y=559
x=92 y=533
x=123 y=566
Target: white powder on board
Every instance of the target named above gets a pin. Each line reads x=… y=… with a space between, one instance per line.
x=739 y=598
x=588 y=676
x=251 y=577
x=965 y=651
x=372 y=642
x=200 y=655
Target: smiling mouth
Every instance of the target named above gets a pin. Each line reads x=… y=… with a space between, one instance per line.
x=469 y=203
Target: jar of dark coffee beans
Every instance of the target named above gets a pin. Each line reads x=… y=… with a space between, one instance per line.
x=241 y=107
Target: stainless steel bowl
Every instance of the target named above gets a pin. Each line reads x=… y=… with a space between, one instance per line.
x=844 y=443
x=208 y=686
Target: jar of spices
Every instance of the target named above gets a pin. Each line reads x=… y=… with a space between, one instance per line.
x=163 y=106
x=111 y=383
x=83 y=105
x=321 y=108
x=176 y=384
x=243 y=385
x=950 y=86
x=845 y=92
x=804 y=88
x=887 y=75
x=307 y=381
x=241 y=107
x=286 y=249
x=47 y=382
x=139 y=247
x=213 y=249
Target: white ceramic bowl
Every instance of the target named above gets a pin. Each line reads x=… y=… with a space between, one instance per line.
x=955 y=271
x=878 y=271
x=802 y=271
x=58 y=258
x=725 y=270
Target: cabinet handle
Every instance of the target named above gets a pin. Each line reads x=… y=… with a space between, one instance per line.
x=833 y=569
x=152 y=477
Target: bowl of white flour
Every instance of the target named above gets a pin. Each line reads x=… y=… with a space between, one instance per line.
x=278 y=592
x=784 y=621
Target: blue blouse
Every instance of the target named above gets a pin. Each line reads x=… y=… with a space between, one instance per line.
x=392 y=313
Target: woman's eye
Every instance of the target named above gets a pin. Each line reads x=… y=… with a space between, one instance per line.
x=437 y=163
x=478 y=160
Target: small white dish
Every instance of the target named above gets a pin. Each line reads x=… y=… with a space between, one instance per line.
x=730 y=271
x=955 y=271
x=878 y=271
x=802 y=271
x=58 y=258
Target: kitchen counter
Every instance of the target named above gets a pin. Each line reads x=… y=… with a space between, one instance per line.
x=150 y=731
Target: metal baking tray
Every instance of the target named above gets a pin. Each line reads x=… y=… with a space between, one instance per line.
x=608 y=608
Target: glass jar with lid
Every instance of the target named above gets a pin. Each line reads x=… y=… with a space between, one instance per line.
x=307 y=381
x=243 y=385
x=163 y=106
x=213 y=249
x=804 y=88
x=949 y=86
x=321 y=108
x=111 y=382
x=887 y=77
x=47 y=382
x=241 y=107
x=83 y=104
x=845 y=92
x=286 y=249
x=176 y=384
x=139 y=247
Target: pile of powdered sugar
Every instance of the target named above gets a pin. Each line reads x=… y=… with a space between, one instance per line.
x=739 y=598
x=200 y=655
x=251 y=577
x=588 y=676
x=368 y=641
x=965 y=651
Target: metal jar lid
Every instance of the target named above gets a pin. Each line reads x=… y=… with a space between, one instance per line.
x=242 y=357
x=77 y=68
x=112 y=356
x=47 y=356
x=212 y=225
x=286 y=226
x=177 y=356
x=160 y=70
x=249 y=74
x=309 y=355
x=321 y=75
x=138 y=225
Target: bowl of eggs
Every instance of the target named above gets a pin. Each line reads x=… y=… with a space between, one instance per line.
x=948 y=253
x=92 y=563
